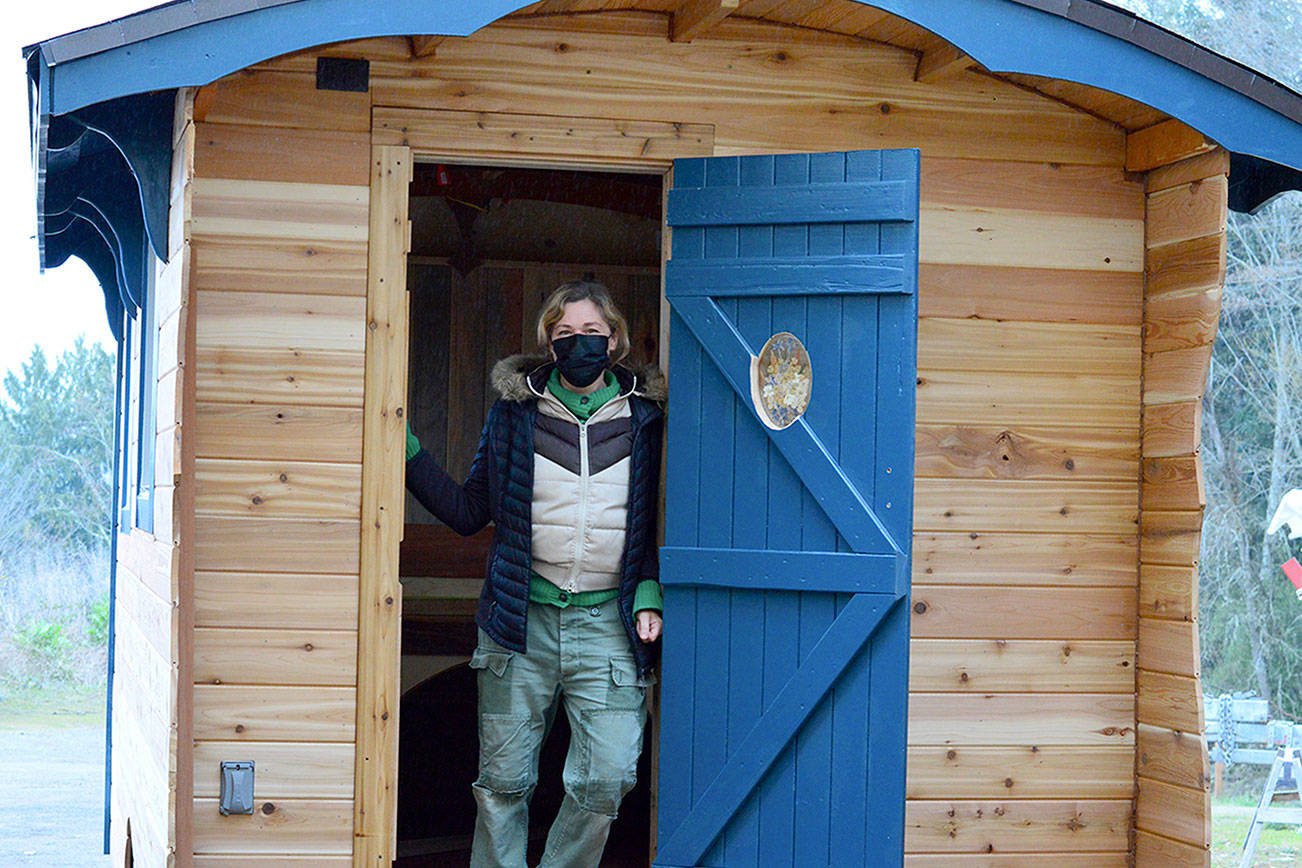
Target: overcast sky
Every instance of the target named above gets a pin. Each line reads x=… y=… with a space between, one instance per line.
x=52 y=308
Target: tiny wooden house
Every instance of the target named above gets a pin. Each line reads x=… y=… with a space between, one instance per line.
x=315 y=220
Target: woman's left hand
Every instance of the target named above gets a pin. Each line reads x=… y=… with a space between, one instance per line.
x=648 y=625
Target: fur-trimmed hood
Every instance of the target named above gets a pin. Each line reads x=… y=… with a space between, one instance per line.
x=523 y=377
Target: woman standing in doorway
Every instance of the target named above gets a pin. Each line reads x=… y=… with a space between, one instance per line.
x=568 y=469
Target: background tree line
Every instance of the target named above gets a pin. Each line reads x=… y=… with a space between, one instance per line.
x=56 y=483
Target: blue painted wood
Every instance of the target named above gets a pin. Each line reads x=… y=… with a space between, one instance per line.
x=803 y=448
x=807 y=276
x=777 y=570
x=753 y=756
x=779 y=751
x=811 y=203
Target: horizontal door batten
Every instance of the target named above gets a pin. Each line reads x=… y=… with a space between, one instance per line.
x=884 y=201
x=845 y=275
x=762 y=569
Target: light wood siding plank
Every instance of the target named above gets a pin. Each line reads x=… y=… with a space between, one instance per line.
x=1172 y=756
x=974 y=612
x=1019 y=347
x=275 y=601
x=290 y=825
x=259 y=321
x=959 y=558
x=1169 y=701
x=1168 y=646
x=1181 y=813
x=1009 y=505
x=1168 y=592
x=285 y=432
x=281 y=265
x=284 y=769
x=273 y=713
x=276 y=545
x=1027 y=294
x=277 y=489
x=1020 y=772
x=280 y=376
x=1021 y=719
x=949 y=826
x=1022 y=666
x=260 y=656
x=267 y=153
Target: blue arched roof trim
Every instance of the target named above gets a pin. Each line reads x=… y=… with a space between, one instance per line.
x=1051 y=38
x=118 y=79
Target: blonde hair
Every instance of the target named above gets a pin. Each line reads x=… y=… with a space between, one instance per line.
x=584 y=290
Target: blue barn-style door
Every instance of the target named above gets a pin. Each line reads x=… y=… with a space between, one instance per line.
x=786 y=557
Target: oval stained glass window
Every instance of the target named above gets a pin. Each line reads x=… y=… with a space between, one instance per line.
x=781 y=381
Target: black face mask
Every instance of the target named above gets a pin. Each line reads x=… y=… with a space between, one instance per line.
x=581 y=358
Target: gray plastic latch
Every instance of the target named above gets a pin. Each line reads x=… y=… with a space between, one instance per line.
x=237 y=788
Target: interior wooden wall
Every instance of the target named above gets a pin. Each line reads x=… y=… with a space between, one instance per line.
x=279 y=231
x=462 y=325
x=1186 y=206
x=151 y=628
x=1022 y=705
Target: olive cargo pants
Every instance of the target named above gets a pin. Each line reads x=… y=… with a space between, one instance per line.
x=580 y=656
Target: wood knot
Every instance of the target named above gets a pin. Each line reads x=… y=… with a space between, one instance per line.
x=256 y=499
x=307 y=646
x=1008 y=782
x=780 y=57
x=388 y=601
x=309 y=252
x=239 y=727
x=384 y=715
x=920 y=608
x=1069 y=464
x=1063 y=511
x=884 y=108
x=951 y=754
x=284 y=477
x=561 y=48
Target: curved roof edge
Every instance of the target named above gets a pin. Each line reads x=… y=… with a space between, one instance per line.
x=193 y=42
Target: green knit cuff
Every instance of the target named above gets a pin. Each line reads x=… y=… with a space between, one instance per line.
x=648 y=596
x=413 y=444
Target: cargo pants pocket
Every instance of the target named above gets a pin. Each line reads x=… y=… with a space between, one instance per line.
x=508 y=739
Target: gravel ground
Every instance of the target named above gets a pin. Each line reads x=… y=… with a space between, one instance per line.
x=52 y=796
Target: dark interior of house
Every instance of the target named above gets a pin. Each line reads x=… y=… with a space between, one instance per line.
x=489 y=244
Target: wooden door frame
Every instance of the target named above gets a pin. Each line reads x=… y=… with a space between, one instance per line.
x=399 y=138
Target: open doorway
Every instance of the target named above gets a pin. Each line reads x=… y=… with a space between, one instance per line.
x=489 y=244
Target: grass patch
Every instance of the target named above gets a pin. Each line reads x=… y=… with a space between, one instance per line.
x=50 y=707
x=1277 y=847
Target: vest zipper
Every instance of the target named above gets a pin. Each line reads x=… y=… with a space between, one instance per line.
x=581 y=540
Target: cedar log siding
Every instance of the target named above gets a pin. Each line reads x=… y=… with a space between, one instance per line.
x=279 y=231
x=1022 y=722
x=1186 y=205
x=151 y=658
